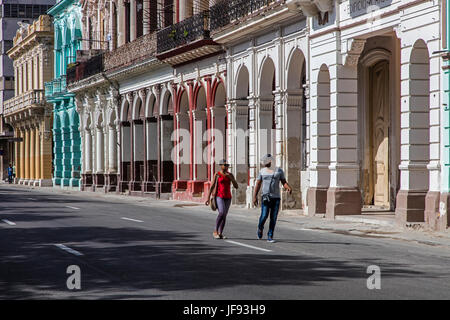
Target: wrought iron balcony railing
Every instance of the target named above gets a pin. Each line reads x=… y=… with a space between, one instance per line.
x=23 y=101
x=85 y=69
x=227 y=11
x=184 y=32
x=56 y=86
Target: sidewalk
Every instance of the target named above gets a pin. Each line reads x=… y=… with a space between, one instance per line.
x=366 y=225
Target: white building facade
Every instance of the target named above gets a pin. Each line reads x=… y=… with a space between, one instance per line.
x=375 y=108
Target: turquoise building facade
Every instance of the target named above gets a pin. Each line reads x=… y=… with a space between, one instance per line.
x=66 y=136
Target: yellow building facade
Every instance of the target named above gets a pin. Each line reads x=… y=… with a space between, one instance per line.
x=28 y=112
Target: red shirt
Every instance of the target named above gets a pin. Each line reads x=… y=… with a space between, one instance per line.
x=223 y=186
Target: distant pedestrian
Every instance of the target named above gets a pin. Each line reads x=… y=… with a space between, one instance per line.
x=221 y=191
x=269 y=181
x=10 y=174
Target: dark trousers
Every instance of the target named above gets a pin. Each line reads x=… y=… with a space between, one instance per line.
x=271 y=209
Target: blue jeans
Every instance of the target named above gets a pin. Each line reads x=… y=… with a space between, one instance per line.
x=270 y=209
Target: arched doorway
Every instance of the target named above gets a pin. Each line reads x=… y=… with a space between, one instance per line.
x=166 y=144
x=184 y=139
x=378 y=122
x=241 y=141
x=266 y=122
x=200 y=129
x=152 y=144
x=219 y=118
x=125 y=146
x=138 y=145
x=295 y=158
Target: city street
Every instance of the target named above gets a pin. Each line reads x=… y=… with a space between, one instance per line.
x=161 y=251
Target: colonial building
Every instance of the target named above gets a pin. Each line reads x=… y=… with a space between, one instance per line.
x=375 y=107
x=66 y=136
x=124 y=98
x=28 y=112
x=13 y=12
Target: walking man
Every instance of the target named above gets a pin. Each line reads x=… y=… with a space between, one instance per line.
x=269 y=181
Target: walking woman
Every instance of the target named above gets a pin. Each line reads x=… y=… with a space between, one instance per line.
x=221 y=188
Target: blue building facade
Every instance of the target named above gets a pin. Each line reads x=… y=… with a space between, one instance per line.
x=66 y=135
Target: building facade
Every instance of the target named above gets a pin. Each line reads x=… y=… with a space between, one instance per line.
x=123 y=96
x=13 y=12
x=66 y=135
x=28 y=112
x=375 y=108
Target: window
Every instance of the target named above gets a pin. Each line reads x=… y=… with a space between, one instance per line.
x=32 y=11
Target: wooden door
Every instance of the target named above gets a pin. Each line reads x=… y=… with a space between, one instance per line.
x=380 y=108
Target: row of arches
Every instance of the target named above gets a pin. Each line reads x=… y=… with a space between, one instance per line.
x=146 y=124
x=272 y=113
x=200 y=134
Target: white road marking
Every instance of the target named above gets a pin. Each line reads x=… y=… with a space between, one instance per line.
x=315 y=230
x=248 y=246
x=69 y=250
x=9 y=222
x=131 y=219
x=32 y=199
x=74 y=208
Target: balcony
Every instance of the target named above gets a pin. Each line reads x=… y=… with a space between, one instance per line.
x=139 y=50
x=85 y=69
x=187 y=40
x=226 y=12
x=55 y=87
x=24 y=101
x=233 y=19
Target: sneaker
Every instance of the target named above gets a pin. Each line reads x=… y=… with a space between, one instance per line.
x=216 y=235
x=222 y=236
x=270 y=240
x=259 y=234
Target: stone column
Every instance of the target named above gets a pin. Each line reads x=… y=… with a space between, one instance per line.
x=112 y=161
x=252 y=149
x=22 y=155
x=147 y=16
x=88 y=151
x=37 y=157
x=121 y=23
x=133 y=22
x=113 y=25
x=27 y=155
x=100 y=150
x=32 y=155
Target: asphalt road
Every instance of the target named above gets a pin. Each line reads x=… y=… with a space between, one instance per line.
x=130 y=251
